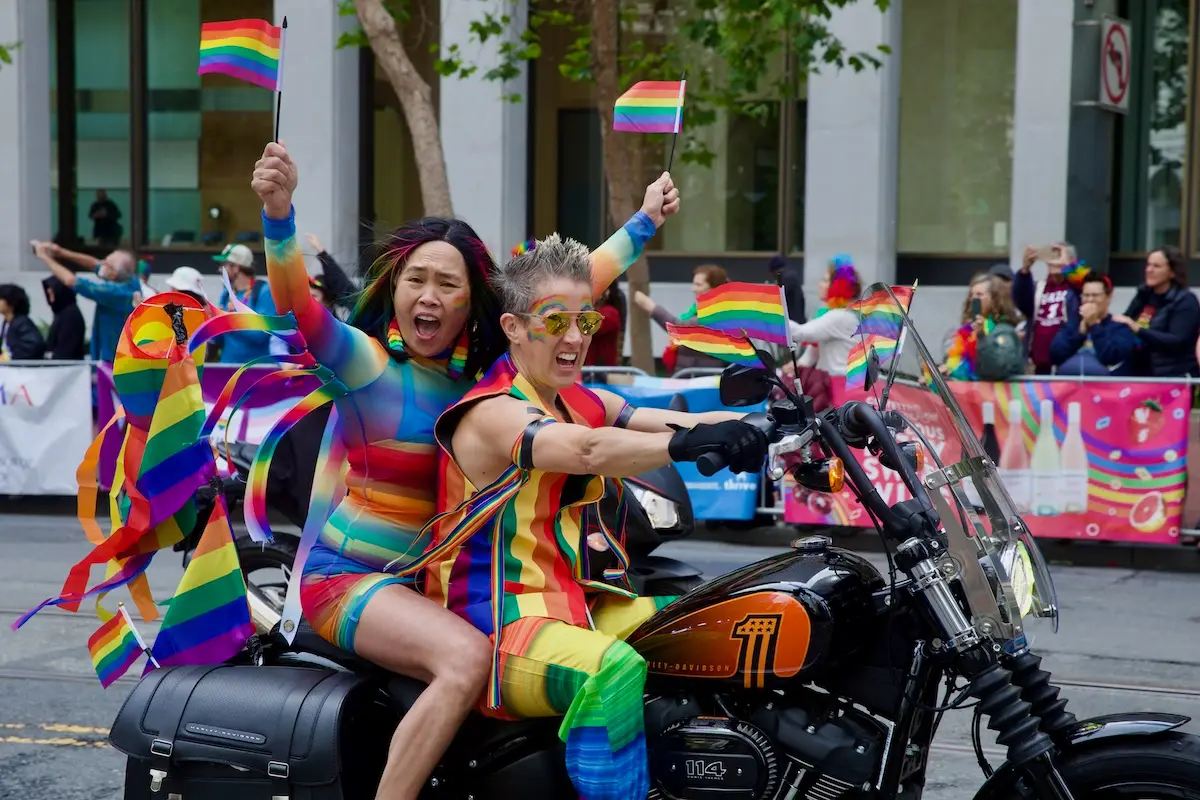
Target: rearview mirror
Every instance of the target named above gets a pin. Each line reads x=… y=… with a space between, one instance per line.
x=873 y=369
x=744 y=386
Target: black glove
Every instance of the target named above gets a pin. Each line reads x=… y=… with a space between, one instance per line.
x=743 y=446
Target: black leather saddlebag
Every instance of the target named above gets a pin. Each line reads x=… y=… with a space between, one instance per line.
x=253 y=733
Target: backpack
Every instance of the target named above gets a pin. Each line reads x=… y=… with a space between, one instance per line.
x=999 y=355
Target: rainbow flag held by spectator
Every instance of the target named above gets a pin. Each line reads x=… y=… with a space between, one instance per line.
x=247 y=49
x=650 y=107
x=752 y=309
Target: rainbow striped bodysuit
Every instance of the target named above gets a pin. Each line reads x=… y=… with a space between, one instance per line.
x=388 y=418
x=512 y=560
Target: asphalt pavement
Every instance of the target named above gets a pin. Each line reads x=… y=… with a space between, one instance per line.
x=1129 y=641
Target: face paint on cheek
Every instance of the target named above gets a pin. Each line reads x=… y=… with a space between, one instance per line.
x=532 y=335
x=460 y=303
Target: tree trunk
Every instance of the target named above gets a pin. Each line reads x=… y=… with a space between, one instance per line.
x=416 y=99
x=624 y=193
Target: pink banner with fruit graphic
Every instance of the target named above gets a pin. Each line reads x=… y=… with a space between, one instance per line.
x=1104 y=461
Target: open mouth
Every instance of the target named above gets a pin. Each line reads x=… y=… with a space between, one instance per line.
x=427 y=325
x=567 y=360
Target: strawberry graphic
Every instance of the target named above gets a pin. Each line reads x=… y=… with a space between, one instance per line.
x=1146 y=422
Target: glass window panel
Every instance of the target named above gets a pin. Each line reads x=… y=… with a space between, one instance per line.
x=957 y=74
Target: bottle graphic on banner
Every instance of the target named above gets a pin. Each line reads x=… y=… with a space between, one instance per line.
x=1046 y=464
x=1073 y=485
x=991 y=445
x=1014 y=461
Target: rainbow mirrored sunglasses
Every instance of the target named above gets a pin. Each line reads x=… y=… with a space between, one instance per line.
x=558 y=323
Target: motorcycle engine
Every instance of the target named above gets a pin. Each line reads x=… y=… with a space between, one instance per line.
x=774 y=749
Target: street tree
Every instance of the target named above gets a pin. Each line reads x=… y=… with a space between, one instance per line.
x=730 y=50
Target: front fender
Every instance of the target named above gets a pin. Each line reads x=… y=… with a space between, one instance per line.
x=1083 y=734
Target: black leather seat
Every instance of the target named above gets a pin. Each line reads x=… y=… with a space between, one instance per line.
x=479 y=733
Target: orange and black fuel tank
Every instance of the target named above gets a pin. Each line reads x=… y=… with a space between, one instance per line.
x=798 y=613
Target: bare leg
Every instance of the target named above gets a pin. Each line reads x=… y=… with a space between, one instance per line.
x=406 y=633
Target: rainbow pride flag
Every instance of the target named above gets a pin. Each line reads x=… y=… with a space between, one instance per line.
x=246 y=49
x=731 y=349
x=880 y=326
x=114 y=648
x=208 y=620
x=650 y=107
x=753 y=308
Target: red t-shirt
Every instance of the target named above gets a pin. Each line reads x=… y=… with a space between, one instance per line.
x=603 y=350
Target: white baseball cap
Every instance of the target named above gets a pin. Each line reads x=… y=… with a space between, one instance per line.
x=187 y=279
x=237 y=254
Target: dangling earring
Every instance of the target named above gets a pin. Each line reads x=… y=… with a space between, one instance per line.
x=395 y=342
x=458 y=357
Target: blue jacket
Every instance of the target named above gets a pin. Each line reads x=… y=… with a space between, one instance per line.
x=1113 y=345
x=238 y=348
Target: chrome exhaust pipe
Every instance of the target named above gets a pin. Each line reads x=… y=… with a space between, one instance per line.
x=263 y=613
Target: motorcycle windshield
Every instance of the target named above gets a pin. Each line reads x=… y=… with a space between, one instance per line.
x=1003 y=574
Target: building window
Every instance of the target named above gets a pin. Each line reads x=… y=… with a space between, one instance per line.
x=957 y=74
x=1151 y=167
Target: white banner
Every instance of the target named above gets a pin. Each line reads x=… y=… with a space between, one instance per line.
x=45 y=427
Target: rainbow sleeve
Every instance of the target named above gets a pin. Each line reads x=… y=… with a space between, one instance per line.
x=611 y=259
x=353 y=356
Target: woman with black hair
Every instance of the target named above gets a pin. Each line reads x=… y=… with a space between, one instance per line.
x=426 y=324
x=1165 y=316
x=66 y=339
x=20 y=339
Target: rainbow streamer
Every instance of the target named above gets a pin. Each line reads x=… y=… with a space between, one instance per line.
x=718 y=344
x=749 y=309
x=208 y=620
x=246 y=49
x=114 y=648
x=650 y=107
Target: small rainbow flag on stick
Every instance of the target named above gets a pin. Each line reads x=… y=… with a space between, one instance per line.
x=246 y=49
x=731 y=349
x=650 y=107
x=880 y=326
x=753 y=308
x=115 y=647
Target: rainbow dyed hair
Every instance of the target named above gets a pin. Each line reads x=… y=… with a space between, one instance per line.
x=374 y=307
x=843 y=282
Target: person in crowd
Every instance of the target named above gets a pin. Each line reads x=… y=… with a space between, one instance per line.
x=1165 y=316
x=106 y=220
x=66 y=338
x=828 y=337
x=1092 y=342
x=238 y=348
x=336 y=288
x=603 y=351
x=704 y=277
x=112 y=285
x=1046 y=305
x=539 y=443
x=1004 y=272
x=189 y=281
x=986 y=345
x=793 y=286
x=20 y=339
x=425 y=326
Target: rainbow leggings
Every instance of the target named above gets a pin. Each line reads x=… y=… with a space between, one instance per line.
x=594 y=680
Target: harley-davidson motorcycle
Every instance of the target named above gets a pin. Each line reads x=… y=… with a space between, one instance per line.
x=807 y=675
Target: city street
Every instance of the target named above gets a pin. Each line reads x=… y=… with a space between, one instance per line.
x=1130 y=640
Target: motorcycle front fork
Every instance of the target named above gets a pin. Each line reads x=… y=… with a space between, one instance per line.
x=1018 y=728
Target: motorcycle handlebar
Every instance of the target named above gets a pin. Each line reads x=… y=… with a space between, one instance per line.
x=711 y=463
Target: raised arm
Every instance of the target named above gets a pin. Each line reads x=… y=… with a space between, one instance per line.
x=611 y=259
x=356 y=358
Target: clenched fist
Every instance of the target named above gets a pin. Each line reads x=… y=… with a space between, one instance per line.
x=274 y=180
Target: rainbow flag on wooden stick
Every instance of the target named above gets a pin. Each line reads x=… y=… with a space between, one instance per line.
x=753 y=308
x=650 y=107
x=247 y=49
x=731 y=349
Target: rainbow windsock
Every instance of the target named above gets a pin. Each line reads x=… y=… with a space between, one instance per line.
x=650 y=107
x=246 y=49
x=718 y=344
x=750 y=309
x=208 y=620
x=114 y=648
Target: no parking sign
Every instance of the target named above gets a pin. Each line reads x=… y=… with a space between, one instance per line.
x=1116 y=64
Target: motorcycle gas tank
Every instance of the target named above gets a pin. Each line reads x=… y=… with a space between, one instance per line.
x=792 y=615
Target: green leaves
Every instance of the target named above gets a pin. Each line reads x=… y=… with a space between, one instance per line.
x=6 y=52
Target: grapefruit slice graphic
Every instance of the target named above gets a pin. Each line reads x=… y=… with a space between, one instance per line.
x=1149 y=514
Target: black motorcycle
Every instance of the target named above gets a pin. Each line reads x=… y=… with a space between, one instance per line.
x=656 y=510
x=804 y=675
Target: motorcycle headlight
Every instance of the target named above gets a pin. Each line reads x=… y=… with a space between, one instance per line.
x=662 y=513
x=1016 y=562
